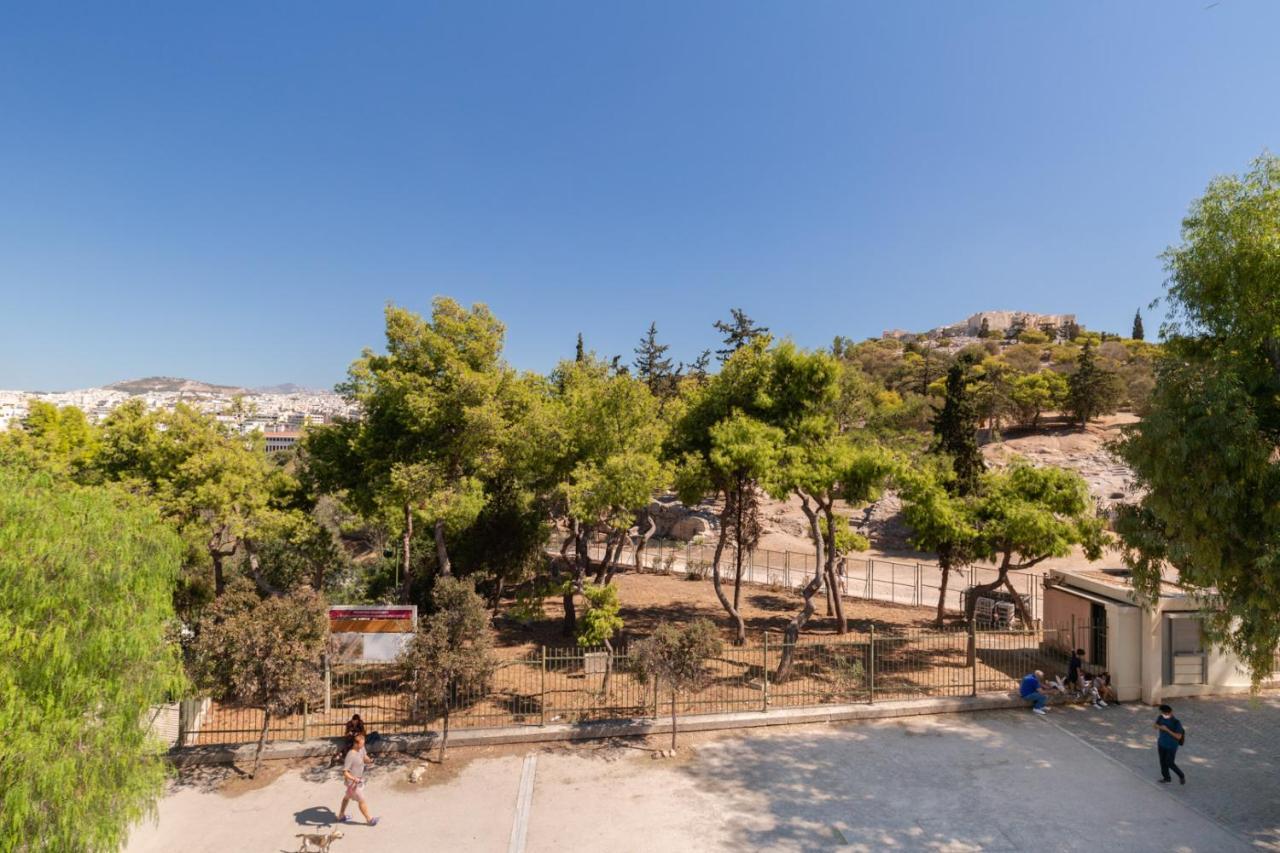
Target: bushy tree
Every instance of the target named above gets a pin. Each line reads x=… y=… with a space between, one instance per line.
x=677 y=656
x=1092 y=391
x=724 y=444
x=1032 y=394
x=1024 y=515
x=86 y=579
x=941 y=520
x=451 y=655
x=52 y=439
x=433 y=418
x=215 y=486
x=264 y=653
x=1204 y=454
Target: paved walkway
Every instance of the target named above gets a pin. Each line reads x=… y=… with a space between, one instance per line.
x=1080 y=779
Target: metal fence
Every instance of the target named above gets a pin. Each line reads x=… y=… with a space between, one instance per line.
x=575 y=685
x=874 y=578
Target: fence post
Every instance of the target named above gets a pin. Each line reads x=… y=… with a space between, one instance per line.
x=786 y=570
x=973 y=656
x=871 y=667
x=304 y=719
x=919 y=585
x=764 y=673
x=542 y=690
x=328 y=686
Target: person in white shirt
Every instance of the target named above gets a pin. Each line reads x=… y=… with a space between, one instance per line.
x=353 y=777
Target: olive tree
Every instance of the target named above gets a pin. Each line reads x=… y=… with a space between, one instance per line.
x=451 y=655
x=264 y=653
x=678 y=656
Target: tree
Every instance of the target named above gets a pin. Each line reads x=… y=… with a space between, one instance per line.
x=941 y=520
x=579 y=354
x=602 y=436
x=53 y=439
x=451 y=655
x=1035 y=393
x=265 y=653
x=723 y=444
x=433 y=418
x=214 y=485
x=1091 y=390
x=739 y=331
x=985 y=330
x=955 y=428
x=1137 y=333
x=600 y=622
x=1204 y=454
x=86 y=583
x=677 y=656
x=1024 y=515
x=653 y=367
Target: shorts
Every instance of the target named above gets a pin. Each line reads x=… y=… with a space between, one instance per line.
x=355 y=791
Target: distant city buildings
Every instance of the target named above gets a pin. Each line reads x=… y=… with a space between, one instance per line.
x=282 y=415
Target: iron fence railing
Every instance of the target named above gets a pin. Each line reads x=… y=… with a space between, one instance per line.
x=874 y=578
x=575 y=685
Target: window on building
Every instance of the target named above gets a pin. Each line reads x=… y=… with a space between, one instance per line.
x=1184 y=656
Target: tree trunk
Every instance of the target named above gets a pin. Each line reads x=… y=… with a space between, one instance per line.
x=262 y=741
x=673 y=718
x=833 y=582
x=608 y=668
x=581 y=560
x=442 y=553
x=945 y=566
x=219 y=582
x=646 y=528
x=792 y=633
x=737 y=548
x=406 y=542
x=739 y=627
x=1023 y=613
x=444 y=736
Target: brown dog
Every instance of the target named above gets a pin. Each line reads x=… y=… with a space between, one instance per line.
x=318 y=841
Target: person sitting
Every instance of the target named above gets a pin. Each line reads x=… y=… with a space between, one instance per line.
x=1106 y=693
x=1091 y=690
x=1032 y=689
x=355 y=726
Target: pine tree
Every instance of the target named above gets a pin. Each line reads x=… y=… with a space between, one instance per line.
x=738 y=332
x=1138 y=333
x=653 y=368
x=1092 y=390
x=580 y=355
x=956 y=429
x=985 y=331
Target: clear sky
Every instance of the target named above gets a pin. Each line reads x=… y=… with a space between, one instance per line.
x=232 y=191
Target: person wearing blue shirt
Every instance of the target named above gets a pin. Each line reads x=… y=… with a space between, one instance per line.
x=1031 y=690
x=1171 y=736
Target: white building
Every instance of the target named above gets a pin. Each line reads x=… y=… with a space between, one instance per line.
x=1153 y=653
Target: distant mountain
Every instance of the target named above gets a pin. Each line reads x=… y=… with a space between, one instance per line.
x=288 y=388
x=171 y=384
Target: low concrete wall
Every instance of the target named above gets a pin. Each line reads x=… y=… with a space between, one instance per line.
x=322 y=747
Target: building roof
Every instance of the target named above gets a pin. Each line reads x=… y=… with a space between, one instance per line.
x=1117 y=585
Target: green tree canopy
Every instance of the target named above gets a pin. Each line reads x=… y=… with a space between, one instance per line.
x=1092 y=391
x=86 y=582
x=1205 y=453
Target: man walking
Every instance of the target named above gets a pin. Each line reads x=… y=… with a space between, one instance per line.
x=1032 y=689
x=1171 y=736
x=353 y=777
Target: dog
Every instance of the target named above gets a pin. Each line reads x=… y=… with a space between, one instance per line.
x=317 y=840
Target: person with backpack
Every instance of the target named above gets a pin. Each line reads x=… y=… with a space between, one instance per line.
x=1172 y=735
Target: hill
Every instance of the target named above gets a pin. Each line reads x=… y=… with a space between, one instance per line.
x=173 y=385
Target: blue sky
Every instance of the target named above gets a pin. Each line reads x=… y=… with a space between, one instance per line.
x=232 y=191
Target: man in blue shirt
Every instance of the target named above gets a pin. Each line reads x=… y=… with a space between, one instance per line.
x=1031 y=690
x=1171 y=736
